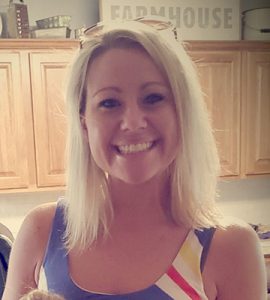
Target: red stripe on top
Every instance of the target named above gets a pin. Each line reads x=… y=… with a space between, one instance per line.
x=183 y=284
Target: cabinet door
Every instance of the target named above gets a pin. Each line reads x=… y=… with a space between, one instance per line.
x=48 y=73
x=219 y=73
x=16 y=139
x=256 y=124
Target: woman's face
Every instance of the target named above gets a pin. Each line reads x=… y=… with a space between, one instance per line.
x=130 y=117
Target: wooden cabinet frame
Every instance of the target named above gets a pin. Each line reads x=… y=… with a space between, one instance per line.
x=219 y=73
x=256 y=111
x=247 y=153
x=31 y=75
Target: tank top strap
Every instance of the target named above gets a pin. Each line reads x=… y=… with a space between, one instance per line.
x=58 y=227
x=205 y=237
x=55 y=260
x=185 y=272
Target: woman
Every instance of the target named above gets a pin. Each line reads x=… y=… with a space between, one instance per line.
x=139 y=219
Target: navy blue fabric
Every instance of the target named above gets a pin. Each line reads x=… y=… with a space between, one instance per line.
x=57 y=273
x=205 y=237
x=5 y=248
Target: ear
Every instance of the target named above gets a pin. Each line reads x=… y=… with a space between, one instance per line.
x=82 y=119
x=83 y=124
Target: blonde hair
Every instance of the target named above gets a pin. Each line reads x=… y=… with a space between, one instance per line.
x=193 y=174
x=41 y=295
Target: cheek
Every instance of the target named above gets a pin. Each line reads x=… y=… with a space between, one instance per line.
x=176 y=143
x=172 y=122
x=96 y=148
x=174 y=135
x=99 y=139
x=95 y=137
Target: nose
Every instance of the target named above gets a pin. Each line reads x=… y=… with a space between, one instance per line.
x=133 y=118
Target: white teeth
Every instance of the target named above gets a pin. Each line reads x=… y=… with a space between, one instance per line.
x=125 y=149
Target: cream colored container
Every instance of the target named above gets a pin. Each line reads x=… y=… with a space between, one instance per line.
x=256 y=24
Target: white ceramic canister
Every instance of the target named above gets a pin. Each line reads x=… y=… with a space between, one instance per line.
x=256 y=24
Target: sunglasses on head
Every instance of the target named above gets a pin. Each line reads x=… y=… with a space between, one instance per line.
x=157 y=23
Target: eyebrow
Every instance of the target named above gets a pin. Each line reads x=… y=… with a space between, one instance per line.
x=114 y=88
x=149 y=83
x=118 y=90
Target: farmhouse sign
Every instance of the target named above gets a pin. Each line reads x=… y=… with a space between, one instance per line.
x=194 y=19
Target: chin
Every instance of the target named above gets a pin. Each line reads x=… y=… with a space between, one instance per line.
x=138 y=178
x=135 y=181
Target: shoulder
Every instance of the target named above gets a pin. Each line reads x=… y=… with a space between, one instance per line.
x=35 y=230
x=28 y=249
x=236 y=235
x=38 y=221
x=236 y=261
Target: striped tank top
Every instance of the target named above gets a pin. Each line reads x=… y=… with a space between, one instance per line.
x=182 y=281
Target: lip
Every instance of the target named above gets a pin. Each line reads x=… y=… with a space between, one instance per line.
x=134 y=148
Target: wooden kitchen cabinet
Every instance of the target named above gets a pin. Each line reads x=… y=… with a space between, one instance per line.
x=16 y=140
x=47 y=77
x=32 y=131
x=256 y=111
x=235 y=78
x=219 y=73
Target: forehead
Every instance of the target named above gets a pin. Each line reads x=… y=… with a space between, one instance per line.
x=121 y=63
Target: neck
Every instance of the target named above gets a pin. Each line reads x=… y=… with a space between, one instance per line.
x=148 y=199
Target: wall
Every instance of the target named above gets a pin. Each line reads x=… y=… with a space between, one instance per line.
x=247 y=199
x=14 y=207
x=83 y=12
x=86 y=12
x=251 y=4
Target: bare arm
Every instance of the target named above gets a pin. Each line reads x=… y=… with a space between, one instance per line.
x=27 y=253
x=238 y=264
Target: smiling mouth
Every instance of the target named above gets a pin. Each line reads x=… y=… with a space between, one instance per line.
x=134 y=148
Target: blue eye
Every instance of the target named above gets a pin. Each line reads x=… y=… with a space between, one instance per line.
x=153 y=98
x=109 y=103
